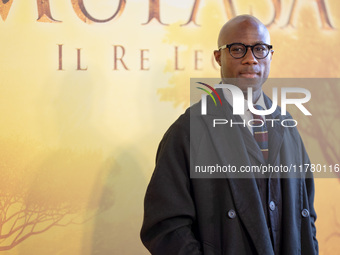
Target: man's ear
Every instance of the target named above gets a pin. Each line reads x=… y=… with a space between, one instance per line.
x=217 y=55
x=271 y=54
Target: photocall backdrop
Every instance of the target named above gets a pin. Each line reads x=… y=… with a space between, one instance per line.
x=88 y=89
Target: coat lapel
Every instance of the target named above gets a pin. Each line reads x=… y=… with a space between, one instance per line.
x=245 y=192
x=249 y=208
x=226 y=111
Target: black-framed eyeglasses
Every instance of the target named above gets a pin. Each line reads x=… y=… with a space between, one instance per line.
x=239 y=50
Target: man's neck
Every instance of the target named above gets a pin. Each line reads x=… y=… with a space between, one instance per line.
x=255 y=95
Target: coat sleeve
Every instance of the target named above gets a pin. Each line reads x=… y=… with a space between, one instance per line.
x=310 y=192
x=169 y=210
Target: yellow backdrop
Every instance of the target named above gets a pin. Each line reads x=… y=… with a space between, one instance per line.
x=89 y=87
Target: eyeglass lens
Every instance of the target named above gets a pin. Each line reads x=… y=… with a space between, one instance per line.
x=239 y=50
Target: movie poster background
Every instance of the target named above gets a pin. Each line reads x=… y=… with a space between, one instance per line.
x=84 y=102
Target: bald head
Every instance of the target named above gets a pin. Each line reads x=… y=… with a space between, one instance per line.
x=243 y=33
x=239 y=24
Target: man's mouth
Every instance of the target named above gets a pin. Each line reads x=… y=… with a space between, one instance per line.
x=248 y=75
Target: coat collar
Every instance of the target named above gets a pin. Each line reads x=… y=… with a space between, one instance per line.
x=275 y=129
x=245 y=192
x=229 y=142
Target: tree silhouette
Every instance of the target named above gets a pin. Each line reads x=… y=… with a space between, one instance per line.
x=324 y=124
x=41 y=189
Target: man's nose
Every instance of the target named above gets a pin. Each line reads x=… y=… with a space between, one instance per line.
x=249 y=58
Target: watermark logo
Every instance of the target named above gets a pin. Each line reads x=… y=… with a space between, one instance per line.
x=204 y=97
x=238 y=100
x=238 y=105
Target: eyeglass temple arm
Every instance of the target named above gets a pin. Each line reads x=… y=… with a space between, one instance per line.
x=222 y=47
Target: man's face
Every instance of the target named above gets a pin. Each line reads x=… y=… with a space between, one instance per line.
x=253 y=71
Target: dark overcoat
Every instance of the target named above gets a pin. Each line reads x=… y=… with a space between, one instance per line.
x=215 y=216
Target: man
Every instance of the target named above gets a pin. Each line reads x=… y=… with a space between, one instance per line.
x=239 y=216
